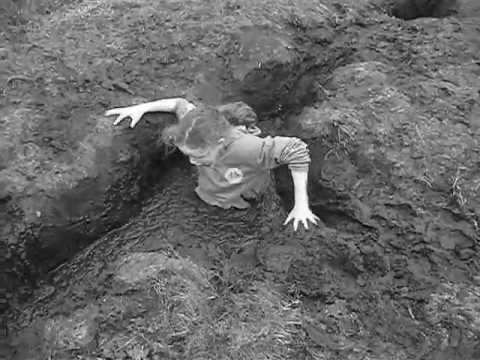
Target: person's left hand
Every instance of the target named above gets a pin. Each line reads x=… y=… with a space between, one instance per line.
x=301 y=214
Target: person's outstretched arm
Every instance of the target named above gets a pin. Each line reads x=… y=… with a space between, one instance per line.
x=301 y=211
x=179 y=106
x=294 y=153
x=270 y=152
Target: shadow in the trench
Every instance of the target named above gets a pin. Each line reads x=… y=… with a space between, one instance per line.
x=414 y=9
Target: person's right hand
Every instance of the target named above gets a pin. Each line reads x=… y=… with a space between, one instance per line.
x=135 y=113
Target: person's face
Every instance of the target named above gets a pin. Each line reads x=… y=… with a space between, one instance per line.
x=200 y=157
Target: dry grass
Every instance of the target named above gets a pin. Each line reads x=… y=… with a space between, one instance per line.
x=255 y=324
x=457 y=193
x=343 y=140
x=188 y=317
x=20 y=12
x=15 y=12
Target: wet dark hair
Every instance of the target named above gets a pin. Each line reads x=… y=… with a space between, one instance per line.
x=238 y=113
x=200 y=128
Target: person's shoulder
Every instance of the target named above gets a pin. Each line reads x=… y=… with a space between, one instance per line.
x=243 y=139
x=184 y=107
x=245 y=148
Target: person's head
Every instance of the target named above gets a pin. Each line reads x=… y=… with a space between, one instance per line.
x=239 y=114
x=199 y=134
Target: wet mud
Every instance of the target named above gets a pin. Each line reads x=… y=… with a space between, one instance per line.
x=68 y=176
x=356 y=297
x=156 y=274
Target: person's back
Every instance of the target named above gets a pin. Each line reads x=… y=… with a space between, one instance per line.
x=236 y=175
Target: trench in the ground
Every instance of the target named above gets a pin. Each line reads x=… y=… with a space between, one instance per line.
x=316 y=282
x=285 y=89
x=274 y=92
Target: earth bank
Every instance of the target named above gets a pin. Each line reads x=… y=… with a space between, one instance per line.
x=389 y=109
x=67 y=175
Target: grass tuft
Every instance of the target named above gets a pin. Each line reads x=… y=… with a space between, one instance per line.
x=257 y=323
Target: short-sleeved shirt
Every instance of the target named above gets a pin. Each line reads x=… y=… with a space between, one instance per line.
x=242 y=168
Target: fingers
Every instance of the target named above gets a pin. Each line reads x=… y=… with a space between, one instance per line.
x=119 y=119
x=134 y=121
x=115 y=111
x=303 y=218
x=305 y=223
x=295 y=224
x=122 y=115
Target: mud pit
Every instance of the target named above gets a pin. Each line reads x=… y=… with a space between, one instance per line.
x=184 y=279
x=394 y=273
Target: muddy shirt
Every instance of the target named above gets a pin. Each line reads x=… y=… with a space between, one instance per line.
x=242 y=168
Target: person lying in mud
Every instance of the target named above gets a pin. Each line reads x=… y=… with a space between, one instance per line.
x=233 y=162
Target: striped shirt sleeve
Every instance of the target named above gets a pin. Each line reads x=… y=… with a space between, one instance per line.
x=280 y=150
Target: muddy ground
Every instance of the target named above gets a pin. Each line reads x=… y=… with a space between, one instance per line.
x=106 y=253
